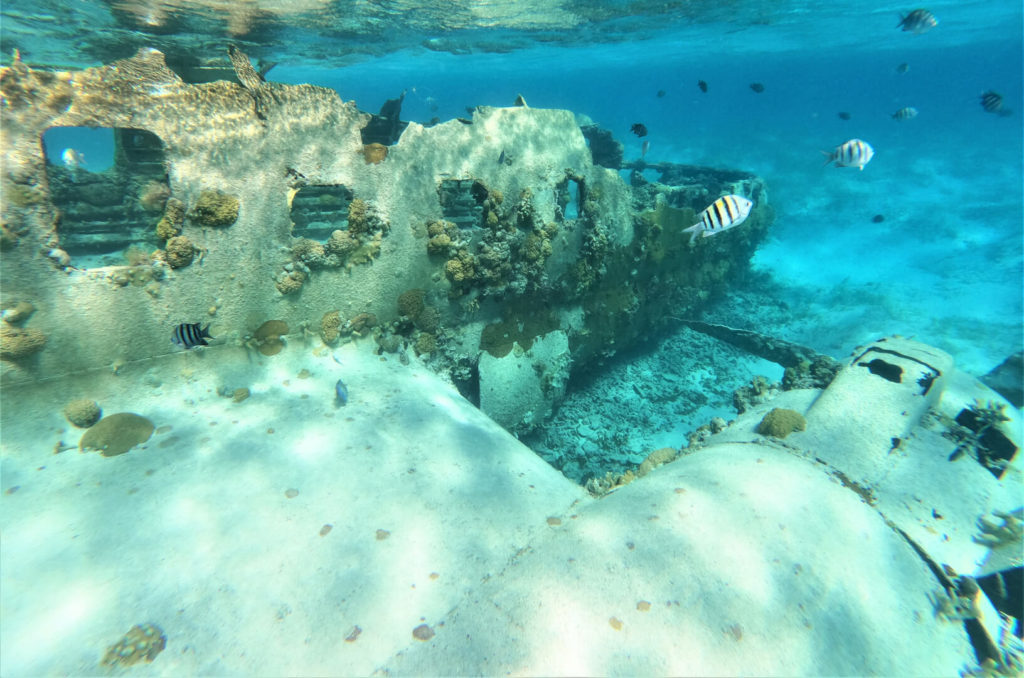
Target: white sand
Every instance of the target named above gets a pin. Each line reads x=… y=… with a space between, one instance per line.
x=752 y=559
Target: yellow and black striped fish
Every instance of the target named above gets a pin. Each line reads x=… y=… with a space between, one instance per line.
x=721 y=215
x=190 y=335
x=853 y=153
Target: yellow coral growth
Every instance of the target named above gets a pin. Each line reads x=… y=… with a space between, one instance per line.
x=425 y=343
x=174 y=217
x=180 y=251
x=780 y=422
x=215 y=208
x=374 y=153
x=329 y=325
x=655 y=459
x=357 y=216
x=291 y=283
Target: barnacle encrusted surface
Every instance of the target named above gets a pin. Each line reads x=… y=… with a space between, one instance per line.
x=142 y=643
x=117 y=433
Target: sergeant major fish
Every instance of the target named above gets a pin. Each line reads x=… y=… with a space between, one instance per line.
x=721 y=215
x=992 y=102
x=919 y=21
x=190 y=335
x=905 y=113
x=853 y=153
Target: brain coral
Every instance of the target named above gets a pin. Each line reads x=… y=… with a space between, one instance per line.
x=341 y=243
x=426 y=343
x=117 y=433
x=309 y=252
x=410 y=302
x=329 y=325
x=215 y=208
x=180 y=251
x=268 y=337
x=18 y=312
x=17 y=342
x=290 y=283
x=429 y=319
x=83 y=412
x=779 y=423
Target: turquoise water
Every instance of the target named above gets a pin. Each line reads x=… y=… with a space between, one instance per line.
x=927 y=241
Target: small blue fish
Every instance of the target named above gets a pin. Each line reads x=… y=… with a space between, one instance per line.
x=340 y=394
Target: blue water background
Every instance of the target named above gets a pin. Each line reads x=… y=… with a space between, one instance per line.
x=945 y=265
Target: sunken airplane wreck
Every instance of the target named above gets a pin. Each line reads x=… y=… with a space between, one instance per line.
x=506 y=251
x=253 y=199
